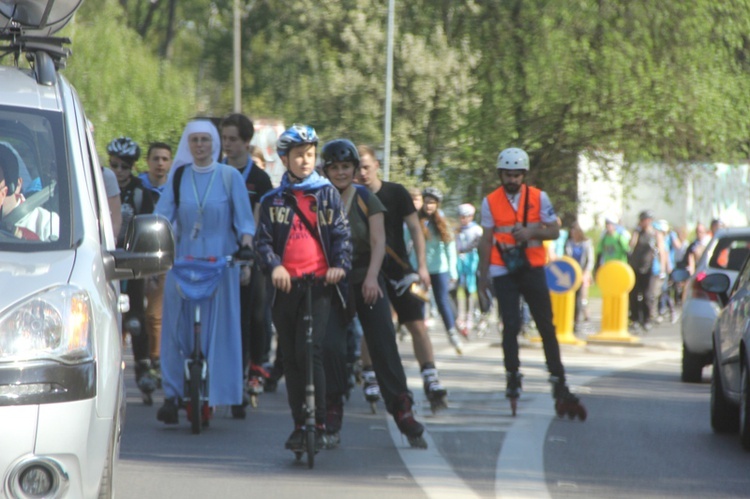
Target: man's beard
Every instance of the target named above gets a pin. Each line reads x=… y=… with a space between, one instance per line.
x=512 y=188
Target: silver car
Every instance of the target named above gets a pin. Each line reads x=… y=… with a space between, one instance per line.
x=730 y=384
x=61 y=369
x=725 y=254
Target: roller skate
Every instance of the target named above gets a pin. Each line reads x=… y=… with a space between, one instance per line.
x=146 y=380
x=334 y=418
x=464 y=327
x=371 y=388
x=256 y=380
x=406 y=423
x=455 y=340
x=434 y=391
x=513 y=389
x=566 y=402
x=482 y=324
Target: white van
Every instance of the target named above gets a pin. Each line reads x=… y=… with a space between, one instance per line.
x=61 y=369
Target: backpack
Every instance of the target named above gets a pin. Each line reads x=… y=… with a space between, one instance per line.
x=642 y=256
x=226 y=175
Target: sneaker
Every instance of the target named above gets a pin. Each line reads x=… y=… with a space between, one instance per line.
x=432 y=386
x=404 y=417
x=370 y=385
x=167 y=413
x=334 y=414
x=296 y=441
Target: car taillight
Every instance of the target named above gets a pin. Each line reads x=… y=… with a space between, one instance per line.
x=699 y=292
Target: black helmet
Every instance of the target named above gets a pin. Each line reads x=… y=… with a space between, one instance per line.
x=433 y=192
x=340 y=150
x=124 y=148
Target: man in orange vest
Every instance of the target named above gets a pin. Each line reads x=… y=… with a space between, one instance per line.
x=516 y=219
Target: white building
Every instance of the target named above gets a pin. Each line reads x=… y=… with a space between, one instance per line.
x=703 y=192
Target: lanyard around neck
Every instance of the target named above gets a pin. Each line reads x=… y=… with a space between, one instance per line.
x=202 y=203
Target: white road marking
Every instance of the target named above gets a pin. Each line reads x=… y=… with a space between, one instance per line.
x=519 y=472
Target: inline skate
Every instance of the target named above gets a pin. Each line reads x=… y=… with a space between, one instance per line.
x=404 y=418
x=513 y=389
x=566 y=402
x=433 y=390
x=371 y=388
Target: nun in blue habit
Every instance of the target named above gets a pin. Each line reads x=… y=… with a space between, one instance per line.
x=212 y=219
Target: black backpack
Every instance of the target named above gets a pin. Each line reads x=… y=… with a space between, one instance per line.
x=642 y=256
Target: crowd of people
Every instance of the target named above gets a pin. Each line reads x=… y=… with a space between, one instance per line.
x=371 y=252
x=653 y=250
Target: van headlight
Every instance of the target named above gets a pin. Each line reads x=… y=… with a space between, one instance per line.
x=54 y=324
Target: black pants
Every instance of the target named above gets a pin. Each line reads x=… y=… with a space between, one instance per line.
x=288 y=317
x=253 y=318
x=380 y=336
x=642 y=298
x=532 y=285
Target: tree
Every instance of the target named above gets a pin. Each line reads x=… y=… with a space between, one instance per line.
x=125 y=89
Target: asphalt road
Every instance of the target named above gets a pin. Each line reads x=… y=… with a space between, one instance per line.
x=647 y=435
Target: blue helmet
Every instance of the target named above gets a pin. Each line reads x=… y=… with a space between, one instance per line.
x=296 y=135
x=340 y=150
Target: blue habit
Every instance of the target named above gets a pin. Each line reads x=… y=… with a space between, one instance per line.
x=226 y=217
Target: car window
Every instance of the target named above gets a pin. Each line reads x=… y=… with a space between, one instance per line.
x=730 y=253
x=35 y=208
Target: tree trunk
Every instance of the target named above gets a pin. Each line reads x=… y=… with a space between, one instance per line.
x=166 y=51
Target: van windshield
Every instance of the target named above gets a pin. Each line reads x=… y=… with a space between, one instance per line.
x=34 y=202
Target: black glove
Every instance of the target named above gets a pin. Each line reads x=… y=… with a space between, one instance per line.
x=245 y=254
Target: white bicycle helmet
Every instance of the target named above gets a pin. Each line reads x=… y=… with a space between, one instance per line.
x=513 y=158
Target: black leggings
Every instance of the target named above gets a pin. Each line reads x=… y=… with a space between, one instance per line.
x=380 y=336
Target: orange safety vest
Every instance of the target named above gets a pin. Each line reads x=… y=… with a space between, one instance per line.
x=506 y=218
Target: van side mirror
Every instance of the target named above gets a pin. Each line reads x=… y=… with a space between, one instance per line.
x=149 y=249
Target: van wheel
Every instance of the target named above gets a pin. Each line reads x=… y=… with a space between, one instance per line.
x=725 y=417
x=692 y=366
x=745 y=409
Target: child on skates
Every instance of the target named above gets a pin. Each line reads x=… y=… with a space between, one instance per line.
x=303 y=229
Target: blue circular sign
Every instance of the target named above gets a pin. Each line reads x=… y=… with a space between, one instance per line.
x=563 y=275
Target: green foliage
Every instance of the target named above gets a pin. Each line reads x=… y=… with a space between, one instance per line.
x=653 y=80
x=125 y=89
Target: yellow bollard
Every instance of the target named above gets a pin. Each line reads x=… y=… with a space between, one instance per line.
x=615 y=280
x=564 y=278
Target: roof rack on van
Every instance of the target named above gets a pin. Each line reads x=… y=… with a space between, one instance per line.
x=46 y=54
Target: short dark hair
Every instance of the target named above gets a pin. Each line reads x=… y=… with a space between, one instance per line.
x=9 y=167
x=244 y=126
x=158 y=145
